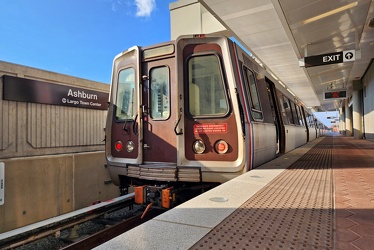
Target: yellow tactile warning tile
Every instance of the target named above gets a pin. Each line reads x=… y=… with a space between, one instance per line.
x=354 y=191
x=294 y=211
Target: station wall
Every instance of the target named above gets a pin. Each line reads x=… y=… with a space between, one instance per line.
x=368 y=103
x=53 y=155
x=30 y=129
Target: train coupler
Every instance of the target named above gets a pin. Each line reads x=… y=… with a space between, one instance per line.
x=159 y=196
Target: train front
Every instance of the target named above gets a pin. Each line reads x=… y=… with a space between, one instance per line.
x=173 y=127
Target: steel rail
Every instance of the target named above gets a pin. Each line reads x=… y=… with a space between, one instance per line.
x=113 y=231
x=50 y=226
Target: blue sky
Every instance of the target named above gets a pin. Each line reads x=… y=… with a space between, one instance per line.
x=79 y=37
x=334 y=116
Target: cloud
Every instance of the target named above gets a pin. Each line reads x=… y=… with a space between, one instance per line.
x=145 y=7
x=117 y=4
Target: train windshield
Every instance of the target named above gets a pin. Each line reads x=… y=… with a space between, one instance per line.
x=126 y=100
x=207 y=96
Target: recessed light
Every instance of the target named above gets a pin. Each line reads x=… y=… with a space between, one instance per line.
x=329 y=13
x=218 y=199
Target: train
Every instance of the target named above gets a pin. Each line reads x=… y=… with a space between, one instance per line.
x=187 y=115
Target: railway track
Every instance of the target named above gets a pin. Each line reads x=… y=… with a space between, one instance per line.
x=63 y=231
x=113 y=231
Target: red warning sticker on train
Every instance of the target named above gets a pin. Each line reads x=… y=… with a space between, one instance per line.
x=210 y=128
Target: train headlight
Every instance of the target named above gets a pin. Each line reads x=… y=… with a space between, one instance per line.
x=198 y=147
x=221 y=147
x=118 y=145
x=130 y=146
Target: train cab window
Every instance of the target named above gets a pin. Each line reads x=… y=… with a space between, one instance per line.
x=126 y=100
x=252 y=93
x=159 y=93
x=206 y=89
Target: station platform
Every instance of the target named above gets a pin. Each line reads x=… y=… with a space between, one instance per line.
x=319 y=196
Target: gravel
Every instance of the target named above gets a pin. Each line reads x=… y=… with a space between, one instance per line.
x=62 y=238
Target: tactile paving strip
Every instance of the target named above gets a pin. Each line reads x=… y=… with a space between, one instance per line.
x=294 y=211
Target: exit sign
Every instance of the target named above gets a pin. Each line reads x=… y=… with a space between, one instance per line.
x=326 y=59
x=335 y=94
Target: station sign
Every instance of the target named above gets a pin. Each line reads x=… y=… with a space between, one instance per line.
x=34 y=91
x=336 y=94
x=326 y=59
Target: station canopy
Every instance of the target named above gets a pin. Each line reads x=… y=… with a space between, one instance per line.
x=282 y=33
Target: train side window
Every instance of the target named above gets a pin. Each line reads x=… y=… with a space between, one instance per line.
x=159 y=93
x=126 y=101
x=309 y=124
x=294 y=114
x=312 y=122
x=300 y=115
x=206 y=89
x=252 y=92
x=287 y=108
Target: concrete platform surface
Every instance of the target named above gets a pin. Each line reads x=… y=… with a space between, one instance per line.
x=319 y=196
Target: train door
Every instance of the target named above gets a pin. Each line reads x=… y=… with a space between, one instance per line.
x=307 y=123
x=122 y=134
x=276 y=115
x=208 y=128
x=158 y=91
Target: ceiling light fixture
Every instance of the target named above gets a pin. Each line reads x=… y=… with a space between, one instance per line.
x=291 y=92
x=329 y=13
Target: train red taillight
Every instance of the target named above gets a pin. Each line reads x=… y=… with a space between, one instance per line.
x=118 y=146
x=130 y=146
x=221 y=147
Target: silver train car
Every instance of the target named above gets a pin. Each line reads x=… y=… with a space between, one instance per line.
x=187 y=115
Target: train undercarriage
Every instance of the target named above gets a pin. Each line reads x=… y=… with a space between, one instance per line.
x=164 y=195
